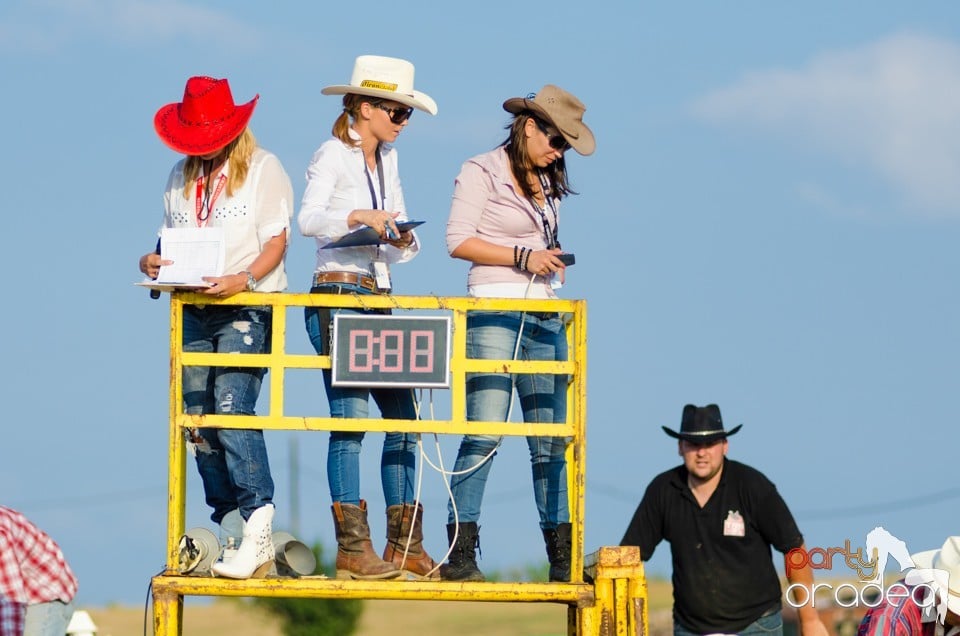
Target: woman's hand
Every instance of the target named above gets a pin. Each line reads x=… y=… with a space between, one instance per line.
x=545 y=262
x=379 y=220
x=150 y=264
x=405 y=240
x=225 y=286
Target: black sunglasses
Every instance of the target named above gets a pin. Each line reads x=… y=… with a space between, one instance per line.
x=556 y=141
x=398 y=114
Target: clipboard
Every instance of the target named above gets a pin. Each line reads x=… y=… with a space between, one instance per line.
x=368 y=236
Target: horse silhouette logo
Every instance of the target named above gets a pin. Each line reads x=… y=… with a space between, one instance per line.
x=926 y=570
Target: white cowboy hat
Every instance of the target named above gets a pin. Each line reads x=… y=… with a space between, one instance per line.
x=947 y=561
x=387 y=78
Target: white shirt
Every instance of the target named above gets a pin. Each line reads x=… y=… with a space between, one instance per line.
x=259 y=211
x=336 y=186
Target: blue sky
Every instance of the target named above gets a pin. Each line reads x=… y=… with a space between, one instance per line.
x=768 y=223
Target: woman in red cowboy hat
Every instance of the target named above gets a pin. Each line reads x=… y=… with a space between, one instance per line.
x=352 y=182
x=226 y=181
x=504 y=219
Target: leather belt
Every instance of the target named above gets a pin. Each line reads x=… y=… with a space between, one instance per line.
x=347 y=278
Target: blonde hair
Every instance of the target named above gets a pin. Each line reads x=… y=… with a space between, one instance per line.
x=238 y=152
x=351 y=111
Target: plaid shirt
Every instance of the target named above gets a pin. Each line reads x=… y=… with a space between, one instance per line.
x=12 y=616
x=900 y=615
x=32 y=569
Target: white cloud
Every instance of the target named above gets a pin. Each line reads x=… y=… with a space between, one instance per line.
x=893 y=106
x=48 y=25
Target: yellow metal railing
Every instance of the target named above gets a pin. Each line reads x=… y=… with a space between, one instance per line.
x=169 y=588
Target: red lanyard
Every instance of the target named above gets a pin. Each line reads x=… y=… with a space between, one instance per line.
x=204 y=207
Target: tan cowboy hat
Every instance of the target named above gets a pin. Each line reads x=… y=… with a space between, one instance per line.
x=206 y=120
x=387 y=78
x=561 y=110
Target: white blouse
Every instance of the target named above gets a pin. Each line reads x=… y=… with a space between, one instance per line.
x=259 y=211
x=337 y=184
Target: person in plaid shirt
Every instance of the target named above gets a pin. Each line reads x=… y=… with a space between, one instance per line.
x=36 y=584
x=909 y=607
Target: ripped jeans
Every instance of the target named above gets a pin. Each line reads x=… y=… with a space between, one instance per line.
x=232 y=462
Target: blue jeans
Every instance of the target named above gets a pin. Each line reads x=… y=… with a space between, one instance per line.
x=398 y=458
x=232 y=462
x=493 y=336
x=47 y=619
x=769 y=625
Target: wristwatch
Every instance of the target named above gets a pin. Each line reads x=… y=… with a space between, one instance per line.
x=251 y=281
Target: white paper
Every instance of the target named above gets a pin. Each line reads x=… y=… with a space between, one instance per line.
x=195 y=251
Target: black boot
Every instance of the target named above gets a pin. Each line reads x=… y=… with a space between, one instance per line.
x=558 y=551
x=462 y=565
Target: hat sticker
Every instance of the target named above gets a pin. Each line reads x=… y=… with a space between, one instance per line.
x=383 y=86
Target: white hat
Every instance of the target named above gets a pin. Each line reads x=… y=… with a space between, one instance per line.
x=947 y=560
x=385 y=77
x=81 y=624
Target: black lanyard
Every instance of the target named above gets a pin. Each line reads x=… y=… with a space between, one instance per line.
x=377 y=205
x=551 y=234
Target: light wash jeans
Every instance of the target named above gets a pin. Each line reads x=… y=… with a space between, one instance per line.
x=232 y=462
x=769 y=625
x=493 y=336
x=47 y=619
x=398 y=458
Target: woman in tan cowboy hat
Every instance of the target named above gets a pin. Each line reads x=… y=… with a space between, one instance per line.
x=353 y=183
x=504 y=219
x=226 y=181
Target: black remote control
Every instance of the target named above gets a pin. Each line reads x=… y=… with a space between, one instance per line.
x=567 y=259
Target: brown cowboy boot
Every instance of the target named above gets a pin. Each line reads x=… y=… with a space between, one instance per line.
x=355 y=556
x=416 y=563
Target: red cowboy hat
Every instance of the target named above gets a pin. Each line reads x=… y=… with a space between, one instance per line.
x=206 y=120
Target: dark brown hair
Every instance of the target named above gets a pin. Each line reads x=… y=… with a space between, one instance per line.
x=516 y=147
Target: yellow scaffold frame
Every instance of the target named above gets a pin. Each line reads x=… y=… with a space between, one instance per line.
x=614 y=604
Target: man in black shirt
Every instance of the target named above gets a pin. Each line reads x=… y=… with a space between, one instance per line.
x=720 y=517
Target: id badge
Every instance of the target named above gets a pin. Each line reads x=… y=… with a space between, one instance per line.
x=381 y=273
x=733 y=525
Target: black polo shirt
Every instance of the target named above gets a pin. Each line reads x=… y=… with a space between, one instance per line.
x=723 y=572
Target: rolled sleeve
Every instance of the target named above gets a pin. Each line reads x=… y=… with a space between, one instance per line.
x=323 y=210
x=471 y=191
x=274 y=201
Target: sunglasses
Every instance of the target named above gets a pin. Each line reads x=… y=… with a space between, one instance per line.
x=398 y=114
x=556 y=141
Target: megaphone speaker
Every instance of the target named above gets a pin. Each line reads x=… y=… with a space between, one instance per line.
x=294 y=558
x=198 y=551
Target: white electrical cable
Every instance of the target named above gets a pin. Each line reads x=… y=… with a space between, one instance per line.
x=448 y=474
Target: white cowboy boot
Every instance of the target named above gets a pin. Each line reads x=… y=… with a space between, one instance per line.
x=256 y=554
x=231 y=532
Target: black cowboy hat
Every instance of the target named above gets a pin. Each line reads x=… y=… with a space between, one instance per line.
x=701 y=424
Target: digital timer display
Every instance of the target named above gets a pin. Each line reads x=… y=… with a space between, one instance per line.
x=391 y=351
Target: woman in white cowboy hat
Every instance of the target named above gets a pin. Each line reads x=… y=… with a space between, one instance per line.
x=504 y=219
x=227 y=181
x=352 y=183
